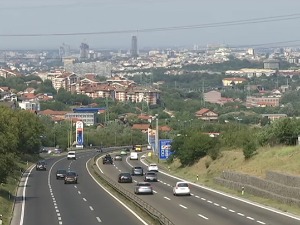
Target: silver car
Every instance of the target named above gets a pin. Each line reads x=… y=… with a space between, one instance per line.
x=143 y=188
x=150 y=176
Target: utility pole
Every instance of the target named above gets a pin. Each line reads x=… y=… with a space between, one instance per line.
x=156 y=137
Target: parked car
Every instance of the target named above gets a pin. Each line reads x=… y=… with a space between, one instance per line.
x=71 y=177
x=137 y=170
x=60 y=174
x=181 y=188
x=41 y=165
x=143 y=188
x=150 y=176
x=118 y=157
x=124 y=178
x=153 y=167
x=107 y=159
x=71 y=155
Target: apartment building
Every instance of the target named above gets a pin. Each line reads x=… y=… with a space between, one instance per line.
x=89 y=119
x=66 y=80
x=252 y=101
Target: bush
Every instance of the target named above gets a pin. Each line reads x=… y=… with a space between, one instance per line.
x=249 y=149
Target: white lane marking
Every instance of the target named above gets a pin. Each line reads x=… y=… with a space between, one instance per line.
x=250 y=218
x=241 y=214
x=203 y=199
x=197 y=196
x=232 y=197
x=223 y=207
x=167 y=198
x=170 y=186
x=60 y=222
x=183 y=206
x=75 y=186
x=216 y=204
x=57 y=210
x=59 y=218
x=260 y=222
x=107 y=191
x=230 y=210
x=116 y=167
x=91 y=208
x=24 y=196
x=79 y=192
x=209 y=201
x=204 y=217
x=58 y=214
x=98 y=219
x=84 y=199
x=120 y=170
x=155 y=192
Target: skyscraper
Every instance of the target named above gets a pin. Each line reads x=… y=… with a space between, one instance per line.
x=84 y=51
x=134 y=48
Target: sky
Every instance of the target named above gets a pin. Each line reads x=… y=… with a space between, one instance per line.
x=115 y=21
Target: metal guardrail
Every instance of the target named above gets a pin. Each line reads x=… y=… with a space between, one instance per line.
x=150 y=210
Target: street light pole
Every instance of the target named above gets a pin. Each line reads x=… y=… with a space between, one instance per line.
x=156 y=137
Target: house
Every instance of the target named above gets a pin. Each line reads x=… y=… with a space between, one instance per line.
x=232 y=81
x=273 y=117
x=206 y=114
x=29 y=90
x=141 y=126
x=53 y=114
x=164 y=128
x=252 y=101
x=9 y=73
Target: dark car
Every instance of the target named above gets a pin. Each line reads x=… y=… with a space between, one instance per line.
x=137 y=171
x=41 y=165
x=150 y=176
x=60 y=174
x=124 y=178
x=71 y=177
x=107 y=159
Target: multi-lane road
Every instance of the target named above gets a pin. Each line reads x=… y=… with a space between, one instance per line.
x=49 y=201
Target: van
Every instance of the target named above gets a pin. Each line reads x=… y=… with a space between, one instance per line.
x=134 y=156
x=71 y=155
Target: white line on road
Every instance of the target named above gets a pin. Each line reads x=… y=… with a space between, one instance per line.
x=167 y=198
x=204 y=217
x=75 y=186
x=250 y=218
x=230 y=210
x=223 y=207
x=84 y=199
x=210 y=202
x=197 y=196
x=241 y=214
x=216 y=204
x=91 y=208
x=183 y=206
x=79 y=192
x=155 y=192
x=261 y=222
x=98 y=219
x=203 y=199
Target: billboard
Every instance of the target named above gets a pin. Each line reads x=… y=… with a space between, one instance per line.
x=165 y=148
x=79 y=134
x=151 y=138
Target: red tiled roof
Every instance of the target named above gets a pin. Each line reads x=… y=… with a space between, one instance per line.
x=165 y=128
x=141 y=126
x=50 y=112
x=202 y=111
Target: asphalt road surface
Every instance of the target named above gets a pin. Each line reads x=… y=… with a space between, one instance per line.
x=204 y=206
x=50 y=201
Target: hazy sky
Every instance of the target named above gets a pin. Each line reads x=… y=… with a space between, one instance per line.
x=24 y=17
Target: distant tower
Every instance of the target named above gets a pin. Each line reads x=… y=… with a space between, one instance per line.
x=84 y=51
x=134 y=48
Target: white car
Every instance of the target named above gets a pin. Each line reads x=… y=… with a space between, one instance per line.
x=181 y=188
x=71 y=155
x=153 y=167
x=134 y=156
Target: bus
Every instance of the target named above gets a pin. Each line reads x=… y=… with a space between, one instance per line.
x=138 y=148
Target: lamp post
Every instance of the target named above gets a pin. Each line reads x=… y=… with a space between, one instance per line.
x=156 y=137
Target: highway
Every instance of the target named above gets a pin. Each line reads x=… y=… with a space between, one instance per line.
x=204 y=206
x=50 y=201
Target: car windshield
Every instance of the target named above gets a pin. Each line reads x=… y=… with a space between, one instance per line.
x=182 y=185
x=151 y=174
x=71 y=174
x=153 y=165
x=41 y=163
x=144 y=184
x=71 y=153
x=61 y=171
x=125 y=174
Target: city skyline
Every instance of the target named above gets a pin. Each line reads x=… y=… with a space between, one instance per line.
x=111 y=24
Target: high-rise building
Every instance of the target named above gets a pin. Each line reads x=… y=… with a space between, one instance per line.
x=134 y=48
x=84 y=51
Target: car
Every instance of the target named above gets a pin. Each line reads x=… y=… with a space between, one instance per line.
x=134 y=156
x=150 y=176
x=181 y=188
x=118 y=158
x=71 y=155
x=123 y=152
x=107 y=159
x=143 y=188
x=125 y=178
x=137 y=170
x=149 y=147
x=71 y=177
x=60 y=174
x=41 y=165
x=153 y=167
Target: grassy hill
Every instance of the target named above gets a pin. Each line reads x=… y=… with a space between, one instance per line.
x=282 y=159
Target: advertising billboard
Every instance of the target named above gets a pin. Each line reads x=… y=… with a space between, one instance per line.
x=79 y=134
x=151 y=138
x=165 y=148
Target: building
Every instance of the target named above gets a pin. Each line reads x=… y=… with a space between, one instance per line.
x=30 y=105
x=252 y=101
x=273 y=117
x=232 y=81
x=212 y=97
x=206 y=114
x=272 y=64
x=89 y=119
x=134 y=47
x=84 y=51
